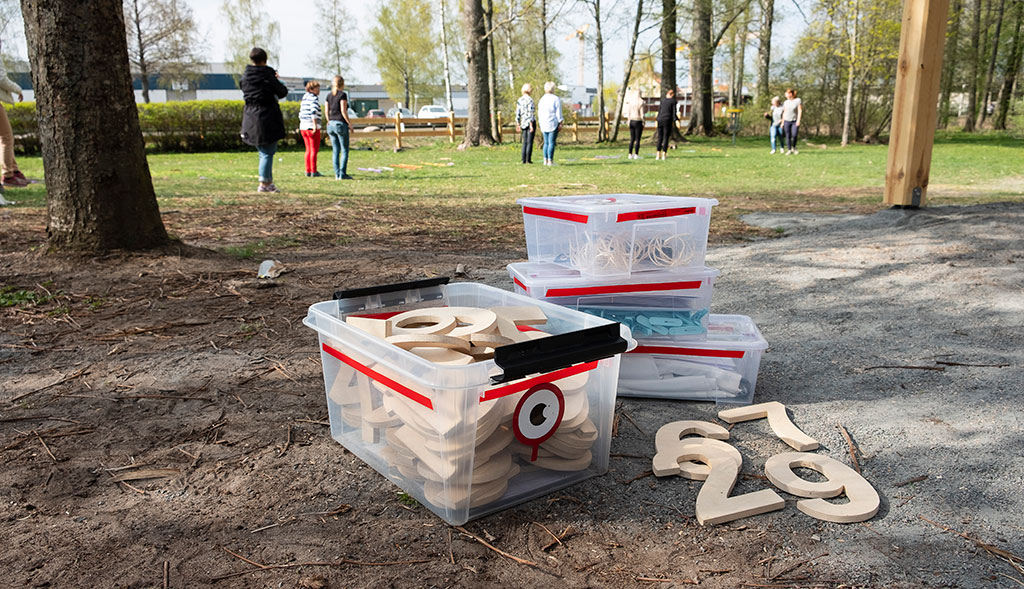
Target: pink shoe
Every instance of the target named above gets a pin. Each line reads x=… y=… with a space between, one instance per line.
x=15 y=181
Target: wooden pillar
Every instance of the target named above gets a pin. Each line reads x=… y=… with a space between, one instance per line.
x=398 y=130
x=915 y=104
x=451 y=125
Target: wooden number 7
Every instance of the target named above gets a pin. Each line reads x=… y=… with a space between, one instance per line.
x=864 y=499
x=714 y=506
x=777 y=420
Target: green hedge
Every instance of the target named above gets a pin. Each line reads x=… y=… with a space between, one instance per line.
x=194 y=126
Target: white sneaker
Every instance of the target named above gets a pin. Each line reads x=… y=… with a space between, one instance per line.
x=772 y=151
x=790 y=152
x=795 y=152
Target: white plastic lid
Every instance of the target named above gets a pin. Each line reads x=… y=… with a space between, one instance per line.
x=615 y=203
x=736 y=331
x=550 y=276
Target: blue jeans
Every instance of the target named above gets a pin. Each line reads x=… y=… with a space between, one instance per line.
x=774 y=133
x=338 y=132
x=550 y=137
x=267 y=161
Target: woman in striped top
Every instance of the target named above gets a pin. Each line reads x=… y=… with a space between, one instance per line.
x=309 y=125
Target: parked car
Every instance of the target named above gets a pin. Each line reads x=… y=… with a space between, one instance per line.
x=432 y=111
x=406 y=113
x=375 y=113
x=352 y=113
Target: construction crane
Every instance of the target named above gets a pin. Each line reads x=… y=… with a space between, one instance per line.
x=580 y=34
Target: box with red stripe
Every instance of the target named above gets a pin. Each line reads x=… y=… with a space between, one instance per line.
x=654 y=305
x=467 y=440
x=723 y=368
x=617 y=234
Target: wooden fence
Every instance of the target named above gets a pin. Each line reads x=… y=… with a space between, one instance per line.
x=578 y=126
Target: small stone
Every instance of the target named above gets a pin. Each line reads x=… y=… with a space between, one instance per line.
x=314 y=582
x=816 y=538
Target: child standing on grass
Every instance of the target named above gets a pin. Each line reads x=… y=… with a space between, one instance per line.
x=774 y=115
x=262 y=123
x=338 y=126
x=309 y=125
x=12 y=175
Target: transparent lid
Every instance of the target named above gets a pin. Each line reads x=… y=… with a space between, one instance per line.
x=734 y=329
x=614 y=203
x=550 y=275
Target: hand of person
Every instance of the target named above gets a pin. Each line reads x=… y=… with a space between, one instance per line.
x=519 y=129
x=21 y=97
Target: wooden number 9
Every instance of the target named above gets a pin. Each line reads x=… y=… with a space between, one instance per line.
x=864 y=499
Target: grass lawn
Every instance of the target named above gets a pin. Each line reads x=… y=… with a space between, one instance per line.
x=461 y=199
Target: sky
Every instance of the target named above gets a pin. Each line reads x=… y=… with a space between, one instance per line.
x=298 y=39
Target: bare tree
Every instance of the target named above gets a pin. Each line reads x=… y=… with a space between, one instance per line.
x=162 y=40
x=1013 y=66
x=630 y=60
x=333 y=29
x=478 y=124
x=492 y=71
x=764 y=50
x=987 y=86
x=595 y=11
x=851 y=70
x=248 y=26
x=949 y=62
x=406 y=49
x=98 y=187
x=703 y=44
x=975 y=57
x=444 y=51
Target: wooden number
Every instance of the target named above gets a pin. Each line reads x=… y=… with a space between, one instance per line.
x=777 y=420
x=864 y=501
x=669 y=445
x=714 y=506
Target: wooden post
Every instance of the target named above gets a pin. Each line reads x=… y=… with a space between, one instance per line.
x=451 y=126
x=607 y=125
x=497 y=132
x=915 y=104
x=576 y=127
x=398 y=130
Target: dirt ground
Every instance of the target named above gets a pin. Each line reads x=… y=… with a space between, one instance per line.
x=905 y=328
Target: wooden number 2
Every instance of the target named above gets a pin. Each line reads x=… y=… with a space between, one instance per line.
x=864 y=499
x=669 y=445
x=777 y=420
x=714 y=505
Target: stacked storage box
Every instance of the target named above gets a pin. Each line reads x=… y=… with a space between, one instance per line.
x=639 y=260
x=470 y=438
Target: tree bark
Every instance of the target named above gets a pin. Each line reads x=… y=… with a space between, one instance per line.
x=972 y=86
x=99 y=190
x=950 y=63
x=702 y=117
x=668 y=45
x=492 y=76
x=143 y=70
x=629 y=68
x=987 y=87
x=850 y=75
x=444 y=51
x=478 y=124
x=508 y=45
x=764 y=50
x=599 y=46
x=544 y=34
x=1013 y=66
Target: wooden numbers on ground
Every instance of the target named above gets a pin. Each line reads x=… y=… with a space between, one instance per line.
x=710 y=459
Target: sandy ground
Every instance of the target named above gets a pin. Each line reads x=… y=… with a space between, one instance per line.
x=181 y=364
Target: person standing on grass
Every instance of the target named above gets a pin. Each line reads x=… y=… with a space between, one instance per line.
x=309 y=125
x=338 y=125
x=526 y=121
x=633 y=110
x=12 y=175
x=792 y=112
x=262 y=123
x=549 y=119
x=666 y=119
x=774 y=116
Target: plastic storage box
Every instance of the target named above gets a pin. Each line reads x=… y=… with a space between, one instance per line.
x=469 y=440
x=617 y=234
x=722 y=369
x=654 y=305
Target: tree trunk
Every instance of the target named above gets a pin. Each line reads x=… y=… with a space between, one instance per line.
x=98 y=187
x=143 y=69
x=544 y=35
x=764 y=50
x=668 y=46
x=987 y=87
x=508 y=45
x=743 y=60
x=702 y=119
x=444 y=51
x=850 y=75
x=629 y=68
x=1012 y=67
x=599 y=46
x=478 y=124
x=972 y=86
x=950 y=63
x=492 y=76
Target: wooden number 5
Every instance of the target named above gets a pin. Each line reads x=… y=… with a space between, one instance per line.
x=777 y=420
x=864 y=499
x=714 y=506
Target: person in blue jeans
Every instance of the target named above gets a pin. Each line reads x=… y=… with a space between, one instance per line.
x=338 y=126
x=549 y=119
x=774 y=115
x=262 y=123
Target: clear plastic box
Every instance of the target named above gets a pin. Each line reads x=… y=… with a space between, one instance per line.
x=722 y=369
x=654 y=305
x=469 y=440
x=617 y=234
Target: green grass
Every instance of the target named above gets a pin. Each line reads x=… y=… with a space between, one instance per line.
x=479 y=189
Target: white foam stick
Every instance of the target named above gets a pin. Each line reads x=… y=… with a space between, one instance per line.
x=638 y=367
x=685 y=367
x=681 y=384
x=730 y=382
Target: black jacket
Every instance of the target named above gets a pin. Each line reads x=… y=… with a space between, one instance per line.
x=262 y=123
x=667 y=110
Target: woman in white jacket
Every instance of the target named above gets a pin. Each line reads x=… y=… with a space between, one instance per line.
x=12 y=176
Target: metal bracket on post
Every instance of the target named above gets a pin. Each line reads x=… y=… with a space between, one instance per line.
x=915 y=197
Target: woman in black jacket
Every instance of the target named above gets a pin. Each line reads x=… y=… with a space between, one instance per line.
x=262 y=123
x=666 y=119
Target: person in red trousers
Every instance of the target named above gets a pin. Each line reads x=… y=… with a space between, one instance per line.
x=309 y=125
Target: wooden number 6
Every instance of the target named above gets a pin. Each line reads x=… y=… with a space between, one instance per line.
x=714 y=506
x=864 y=499
x=670 y=445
